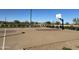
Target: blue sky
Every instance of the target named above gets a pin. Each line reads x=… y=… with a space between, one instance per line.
x=40 y=15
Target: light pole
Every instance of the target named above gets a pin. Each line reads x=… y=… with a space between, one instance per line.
x=4 y=38
x=30 y=18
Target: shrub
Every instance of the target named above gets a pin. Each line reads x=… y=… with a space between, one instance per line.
x=64 y=48
x=23 y=32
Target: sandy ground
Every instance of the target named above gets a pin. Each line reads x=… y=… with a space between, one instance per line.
x=35 y=39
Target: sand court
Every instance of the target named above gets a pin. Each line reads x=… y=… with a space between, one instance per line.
x=40 y=39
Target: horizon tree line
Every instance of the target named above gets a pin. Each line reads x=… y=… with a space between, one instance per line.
x=17 y=23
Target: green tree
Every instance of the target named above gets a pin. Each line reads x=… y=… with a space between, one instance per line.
x=16 y=21
x=76 y=21
x=67 y=23
x=48 y=22
x=57 y=23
